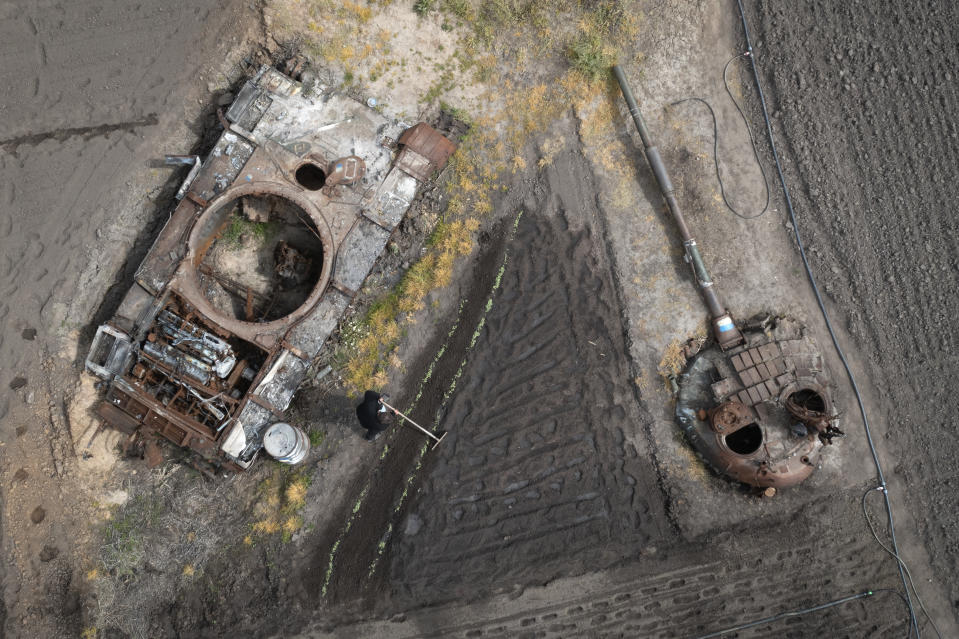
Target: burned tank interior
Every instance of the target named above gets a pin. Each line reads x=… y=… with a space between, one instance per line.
x=262 y=259
x=188 y=368
x=746 y=440
x=232 y=303
x=310 y=176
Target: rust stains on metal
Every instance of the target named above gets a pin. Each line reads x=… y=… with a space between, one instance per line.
x=234 y=299
x=809 y=407
x=423 y=151
x=152 y=453
x=348 y=170
x=767 y=406
x=729 y=417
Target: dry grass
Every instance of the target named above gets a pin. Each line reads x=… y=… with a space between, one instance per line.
x=281 y=497
x=335 y=32
x=376 y=336
x=513 y=67
x=673 y=361
x=155 y=541
x=694 y=468
x=675 y=356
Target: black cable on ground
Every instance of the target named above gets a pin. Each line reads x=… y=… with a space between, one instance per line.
x=752 y=142
x=914 y=624
x=799 y=613
x=912 y=581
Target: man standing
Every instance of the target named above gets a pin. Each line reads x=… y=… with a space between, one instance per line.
x=373 y=415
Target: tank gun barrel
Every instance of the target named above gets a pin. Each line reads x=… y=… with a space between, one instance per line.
x=727 y=335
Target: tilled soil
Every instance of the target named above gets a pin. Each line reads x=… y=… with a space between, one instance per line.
x=864 y=96
x=534 y=480
x=679 y=589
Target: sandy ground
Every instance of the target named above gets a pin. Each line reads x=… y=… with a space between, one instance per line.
x=563 y=502
x=94 y=95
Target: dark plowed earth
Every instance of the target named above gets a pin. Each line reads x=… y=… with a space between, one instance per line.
x=689 y=589
x=697 y=599
x=373 y=511
x=536 y=478
x=865 y=96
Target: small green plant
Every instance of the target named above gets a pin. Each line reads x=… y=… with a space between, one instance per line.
x=316 y=437
x=423 y=7
x=444 y=83
x=233 y=234
x=457 y=113
x=589 y=56
x=123 y=547
x=608 y=15
x=505 y=12
x=459 y=8
x=240 y=226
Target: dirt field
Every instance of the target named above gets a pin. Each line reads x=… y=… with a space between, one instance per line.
x=862 y=94
x=563 y=502
x=535 y=480
x=94 y=95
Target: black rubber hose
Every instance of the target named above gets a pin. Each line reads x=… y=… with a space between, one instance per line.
x=914 y=624
x=752 y=143
x=798 y=613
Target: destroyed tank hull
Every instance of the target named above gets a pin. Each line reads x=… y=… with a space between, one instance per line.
x=274 y=233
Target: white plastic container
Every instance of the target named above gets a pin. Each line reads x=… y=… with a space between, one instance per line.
x=286 y=444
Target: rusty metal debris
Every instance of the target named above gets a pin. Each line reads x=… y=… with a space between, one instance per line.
x=274 y=232
x=423 y=151
x=756 y=401
x=761 y=412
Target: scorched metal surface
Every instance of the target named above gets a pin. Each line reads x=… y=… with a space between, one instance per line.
x=275 y=231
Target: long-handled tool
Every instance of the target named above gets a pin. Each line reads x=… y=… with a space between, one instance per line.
x=436 y=439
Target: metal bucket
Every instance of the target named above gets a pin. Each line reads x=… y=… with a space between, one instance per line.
x=286 y=444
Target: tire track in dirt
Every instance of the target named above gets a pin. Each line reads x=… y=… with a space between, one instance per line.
x=534 y=479
x=752 y=577
x=353 y=564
